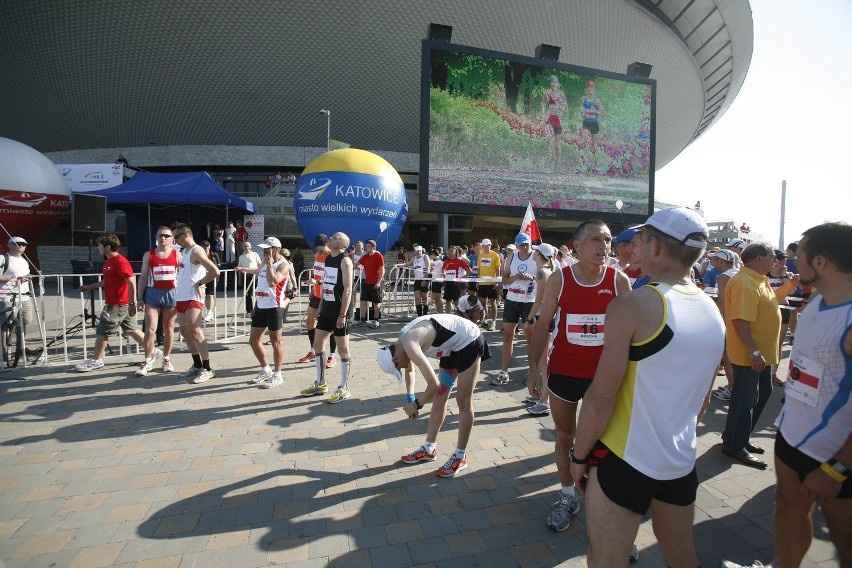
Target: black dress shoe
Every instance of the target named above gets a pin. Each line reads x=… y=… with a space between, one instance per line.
x=751 y=448
x=745 y=458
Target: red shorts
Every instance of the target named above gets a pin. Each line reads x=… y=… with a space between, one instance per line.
x=184 y=305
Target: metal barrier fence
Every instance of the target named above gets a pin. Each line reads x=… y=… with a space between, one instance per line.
x=63 y=329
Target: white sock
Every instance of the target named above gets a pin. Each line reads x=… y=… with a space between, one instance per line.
x=266 y=368
x=459 y=453
x=569 y=491
x=429 y=446
x=320 y=365
x=345 y=370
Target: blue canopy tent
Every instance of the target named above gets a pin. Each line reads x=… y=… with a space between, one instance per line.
x=154 y=199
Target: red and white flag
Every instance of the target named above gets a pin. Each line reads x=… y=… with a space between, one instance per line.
x=529 y=225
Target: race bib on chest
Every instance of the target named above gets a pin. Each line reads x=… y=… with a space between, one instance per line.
x=585 y=329
x=328 y=282
x=164 y=273
x=449 y=275
x=803 y=380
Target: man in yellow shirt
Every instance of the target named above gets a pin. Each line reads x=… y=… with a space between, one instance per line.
x=489 y=265
x=752 y=325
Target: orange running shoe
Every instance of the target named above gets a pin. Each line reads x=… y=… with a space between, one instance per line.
x=419 y=455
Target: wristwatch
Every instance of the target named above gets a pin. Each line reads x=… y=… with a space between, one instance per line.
x=756 y=353
x=531 y=321
x=576 y=460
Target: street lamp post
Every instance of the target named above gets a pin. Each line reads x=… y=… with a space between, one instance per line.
x=327 y=114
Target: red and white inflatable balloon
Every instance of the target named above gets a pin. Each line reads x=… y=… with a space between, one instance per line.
x=33 y=195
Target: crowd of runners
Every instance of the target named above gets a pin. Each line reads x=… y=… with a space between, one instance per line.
x=634 y=325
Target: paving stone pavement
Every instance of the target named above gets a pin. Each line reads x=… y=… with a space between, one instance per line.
x=109 y=469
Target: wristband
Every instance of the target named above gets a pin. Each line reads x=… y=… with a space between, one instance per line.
x=531 y=321
x=835 y=470
x=575 y=459
x=417 y=403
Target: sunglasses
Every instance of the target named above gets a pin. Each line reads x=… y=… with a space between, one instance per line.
x=176 y=235
x=164 y=236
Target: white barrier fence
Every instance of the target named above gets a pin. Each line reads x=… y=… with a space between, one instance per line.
x=63 y=329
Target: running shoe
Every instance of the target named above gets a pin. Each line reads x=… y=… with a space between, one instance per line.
x=539 y=409
x=203 y=376
x=275 y=380
x=308 y=358
x=453 y=465
x=530 y=399
x=634 y=554
x=723 y=393
x=419 y=455
x=315 y=389
x=564 y=509
x=208 y=318
x=190 y=373
x=374 y=324
x=501 y=379
x=329 y=362
x=90 y=365
x=359 y=323
x=339 y=395
x=167 y=365
x=491 y=326
x=776 y=381
x=146 y=366
x=261 y=377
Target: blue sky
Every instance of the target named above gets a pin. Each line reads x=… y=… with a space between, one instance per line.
x=791 y=120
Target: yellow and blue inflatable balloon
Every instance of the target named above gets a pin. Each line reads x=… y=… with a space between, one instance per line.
x=353 y=191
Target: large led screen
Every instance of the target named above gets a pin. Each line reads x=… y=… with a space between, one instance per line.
x=501 y=130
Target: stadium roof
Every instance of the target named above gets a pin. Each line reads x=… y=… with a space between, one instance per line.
x=190 y=82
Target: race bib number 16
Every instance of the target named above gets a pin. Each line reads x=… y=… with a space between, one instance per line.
x=585 y=329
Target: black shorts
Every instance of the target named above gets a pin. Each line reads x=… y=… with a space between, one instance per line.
x=472 y=285
x=421 y=286
x=461 y=360
x=451 y=291
x=785 y=315
x=557 y=130
x=803 y=464
x=629 y=488
x=325 y=323
x=210 y=288
x=371 y=293
x=591 y=125
x=488 y=291
x=269 y=318
x=437 y=287
x=569 y=389
x=313 y=302
x=513 y=311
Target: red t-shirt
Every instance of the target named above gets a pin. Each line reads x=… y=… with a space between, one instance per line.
x=372 y=264
x=241 y=234
x=116 y=272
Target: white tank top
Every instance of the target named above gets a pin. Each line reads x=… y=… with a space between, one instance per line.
x=188 y=277
x=653 y=423
x=267 y=297
x=419 y=265
x=453 y=333
x=438 y=268
x=522 y=290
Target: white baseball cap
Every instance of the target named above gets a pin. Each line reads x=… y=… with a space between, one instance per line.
x=678 y=223
x=384 y=358
x=486 y=242
x=738 y=243
x=18 y=241
x=546 y=250
x=270 y=242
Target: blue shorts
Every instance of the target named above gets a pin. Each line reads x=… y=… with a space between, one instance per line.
x=160 y=299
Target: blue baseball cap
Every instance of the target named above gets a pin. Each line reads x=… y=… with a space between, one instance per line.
x=522 y=239
x=625 y=236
